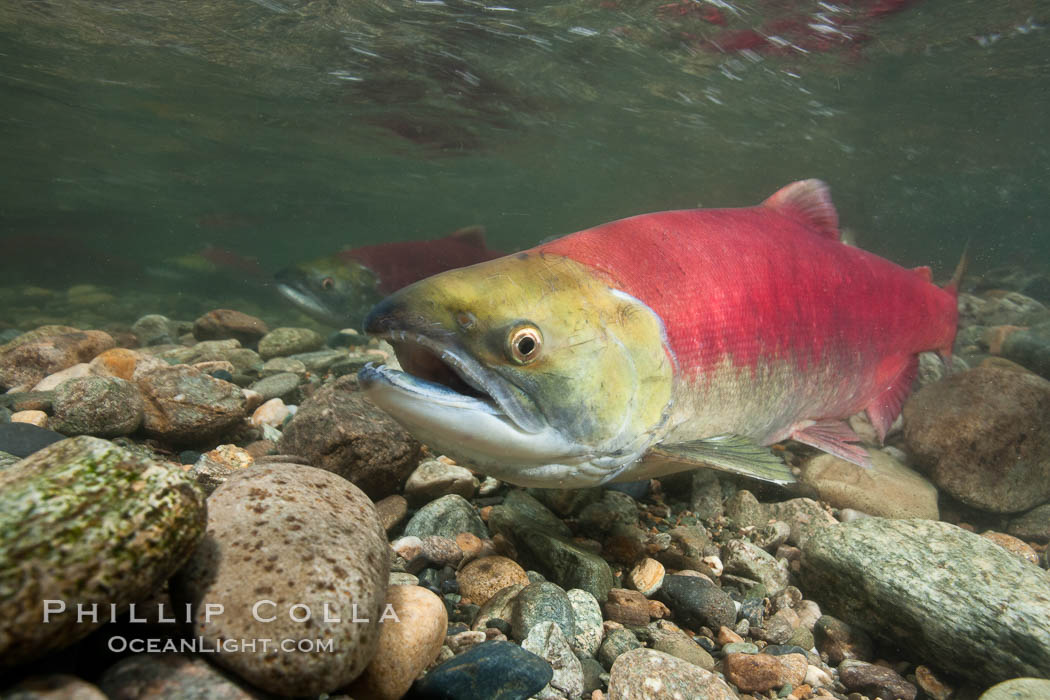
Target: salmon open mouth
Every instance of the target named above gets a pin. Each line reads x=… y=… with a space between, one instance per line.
x=447 y=374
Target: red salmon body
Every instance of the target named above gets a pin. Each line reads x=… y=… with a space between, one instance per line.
x=766 y=311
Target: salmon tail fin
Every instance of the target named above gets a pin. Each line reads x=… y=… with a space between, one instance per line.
x=953 y=288
x=960 y=271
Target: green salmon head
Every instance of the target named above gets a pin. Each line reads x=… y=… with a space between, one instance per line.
x=331 y=290
x=529 y=367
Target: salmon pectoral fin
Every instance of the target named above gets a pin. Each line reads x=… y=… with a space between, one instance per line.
x=898 y=375
x=834 y=437
x=729 y=453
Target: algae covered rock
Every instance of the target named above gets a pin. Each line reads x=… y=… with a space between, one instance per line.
x=84 y=522
x=184 y=405
x=99 y=406
x=954 y=597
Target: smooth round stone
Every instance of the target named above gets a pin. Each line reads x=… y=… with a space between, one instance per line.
x=542 y=602
x=746 y=559
x=310 y=543
x=282 y=365
x=739 y=648
x=219 y=324
x=483 y=578
x=99 y=406
x=1019 y=689
x=491 y=670
x=1021 y=550
x=51 y=381
x=183 y=405
x=392 y=511
x=647 y=576
x=23 y=364
x=406 y=647
x=84 y=522
x=617 y=642
x=696 y=602
x=281 y=342
x=23 y=439
x=434 y=479
x=889 y=489
x=668 y=638
x=841 y=641
x=37 y=418
x=545 y=639
x=283 y=385
x=518 y=510
x=172 y=676
x=57 y=686
x=646 y=674
x=154 y=329
x=447 y=516
x=564 y=562
x=875 y=681
x=587 y=614
x=764 y=672
x=272 y=413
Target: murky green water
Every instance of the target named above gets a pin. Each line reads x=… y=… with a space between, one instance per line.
x=286 y=129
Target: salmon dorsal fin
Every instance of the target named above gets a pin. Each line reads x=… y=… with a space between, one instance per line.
x=808 y=201
x=924 y=273
x=470 y=235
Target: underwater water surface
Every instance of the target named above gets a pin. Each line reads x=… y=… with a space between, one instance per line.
x=136 y=134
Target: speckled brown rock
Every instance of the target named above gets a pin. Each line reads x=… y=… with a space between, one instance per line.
x=392 y=511
x=219 y=324
x=646 y=674
x=23 y=364
x=983 y=436
x=99 y=406
x=85 y=522
x=182 y=405
x=763 y=672
x=303 y=539
x=483 y=578
x=338 y=429
x=627 y=607
x=172 y=676
x=1011 y=544
x=57 y=686
x=406 y=647
x=647 y=576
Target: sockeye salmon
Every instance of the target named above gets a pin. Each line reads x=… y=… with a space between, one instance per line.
x=660 y=343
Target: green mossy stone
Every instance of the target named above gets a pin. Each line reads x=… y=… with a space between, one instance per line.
x=86 y=522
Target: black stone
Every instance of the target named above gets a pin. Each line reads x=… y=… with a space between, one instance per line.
x=189 y=456
x=696 y=602
x=223 y=374
x=754 y=611
x=492 y=670
x=23 y=439
x=783 y=649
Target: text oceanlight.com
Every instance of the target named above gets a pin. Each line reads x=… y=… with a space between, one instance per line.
x=200 y=645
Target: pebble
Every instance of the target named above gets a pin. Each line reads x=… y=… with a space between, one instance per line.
x=538 y=602
x=483 y=578
x=564 y=562
x=88 y=522
x=1033 y=525
x=281 y=342
x=984 y=616
x=933 y=686
x=405 y=647
x=764 y=672
x=122 y=363
x=696 y=602
x=587 y=614
x=23 y=439
x=155 y=329
x=647 y=576
x=629 y=608
x=24 y=364
x=441 y=551
x=499 y=607
x=546 y=640
x=1011 y=544
x=889 y=489
x=670 y=639
x=447 y=516
x=875 y=680
x=170 y=675
x=743 y=511
x=461 y=641
x=493 y=670
x=391 y=510
x=1019 y=689
x=182 y=405
x=519 y=510
x=220 y=324
x=297 y=536
x=646 y=674
x=617 y=642
x=746 y=559
x=339 y=430
x=34 y=418
x=805 y=516
x=434 y=478
x=1030 y=348
x=48 y=383
x=983 y=436
x=100 y=406
x=283 y=385
x=272 y=413
x=841 y=641
x=56 y=686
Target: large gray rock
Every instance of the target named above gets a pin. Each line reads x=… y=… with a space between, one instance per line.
x=984 y=437
x=185 y=406
x=646 y=674
x=99 y=406
x=951 y=596
x=340 y=430
x=84 y=522
x=564 y=562
x=309 y=545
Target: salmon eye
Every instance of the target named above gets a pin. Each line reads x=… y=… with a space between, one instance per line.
x=523 y=344
x=327 y=283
